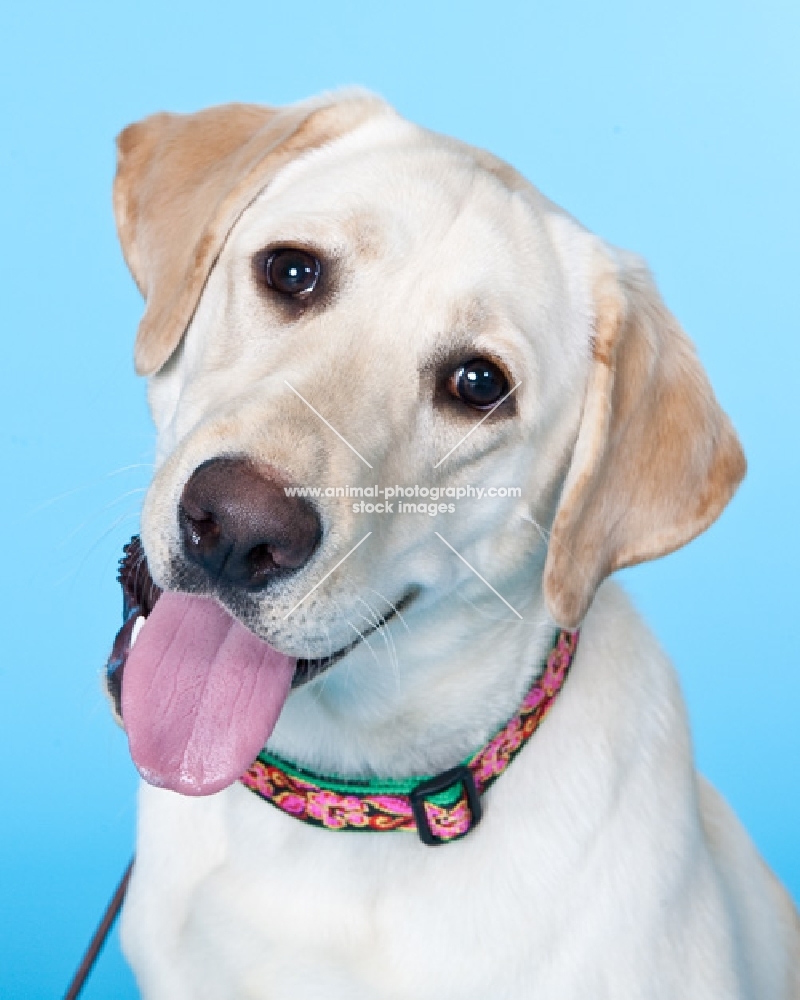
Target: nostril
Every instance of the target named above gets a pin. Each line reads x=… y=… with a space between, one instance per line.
x=201 y=530
x=261 y=563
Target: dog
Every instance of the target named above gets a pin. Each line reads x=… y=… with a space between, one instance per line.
x=347 y=317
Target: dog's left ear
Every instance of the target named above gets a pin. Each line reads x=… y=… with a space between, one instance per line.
x=183 y=181
x=656 y=459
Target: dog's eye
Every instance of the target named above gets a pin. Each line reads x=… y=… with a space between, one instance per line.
x=290 y=272
x=480 y=384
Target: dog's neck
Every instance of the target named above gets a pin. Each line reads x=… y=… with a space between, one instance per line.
x=409 y=704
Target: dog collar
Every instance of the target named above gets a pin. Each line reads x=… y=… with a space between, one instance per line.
x=440 y=809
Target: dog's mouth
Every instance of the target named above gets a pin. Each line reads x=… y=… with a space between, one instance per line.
x=307 y=669
x=197 y=692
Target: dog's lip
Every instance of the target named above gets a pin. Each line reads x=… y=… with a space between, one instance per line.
x=141 y=594
x=307 y=669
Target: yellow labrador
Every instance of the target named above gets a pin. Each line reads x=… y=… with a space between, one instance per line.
x=410 y=417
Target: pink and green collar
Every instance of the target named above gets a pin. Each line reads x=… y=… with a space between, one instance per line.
x=439 y=809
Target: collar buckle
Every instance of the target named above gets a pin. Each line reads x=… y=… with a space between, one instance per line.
x=456 y=826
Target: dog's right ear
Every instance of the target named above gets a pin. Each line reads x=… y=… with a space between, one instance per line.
x=656 y=459
x=183 y=181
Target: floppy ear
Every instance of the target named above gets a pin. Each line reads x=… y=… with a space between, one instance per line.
x=656 y=459
x=183 y=181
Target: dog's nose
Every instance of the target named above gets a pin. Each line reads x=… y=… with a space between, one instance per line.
x=239 y=524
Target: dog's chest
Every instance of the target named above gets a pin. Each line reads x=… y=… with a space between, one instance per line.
x=298 y=912
x=262 y=906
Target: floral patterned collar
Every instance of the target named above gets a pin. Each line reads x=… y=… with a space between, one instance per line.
x=440 y=809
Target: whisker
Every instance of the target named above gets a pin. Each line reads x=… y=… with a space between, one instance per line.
x=74 y=573
x=387 y=637
x=364 y=639
x=97 y=513
x=547 y=538
x=346 y=666
x=375 y=622
x=325 y=676
x=545 y=535
x=87 y=486
x=392 y=606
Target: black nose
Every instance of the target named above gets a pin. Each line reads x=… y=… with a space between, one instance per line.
x=239 y=525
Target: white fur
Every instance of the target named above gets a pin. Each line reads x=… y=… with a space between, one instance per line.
x=603 y=866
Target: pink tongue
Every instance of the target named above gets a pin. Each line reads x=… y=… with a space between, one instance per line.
x=200 y=695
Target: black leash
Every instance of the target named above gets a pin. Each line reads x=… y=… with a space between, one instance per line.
x=100 y=935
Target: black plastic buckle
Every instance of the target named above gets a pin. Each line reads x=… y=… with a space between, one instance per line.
x=440 y=783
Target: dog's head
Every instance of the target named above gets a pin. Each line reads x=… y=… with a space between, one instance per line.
x=343 y=303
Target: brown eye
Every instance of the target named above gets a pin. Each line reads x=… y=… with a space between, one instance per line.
x=290 y=272
x=480 y=384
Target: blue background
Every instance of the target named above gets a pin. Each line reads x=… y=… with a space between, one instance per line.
x=671 y=129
